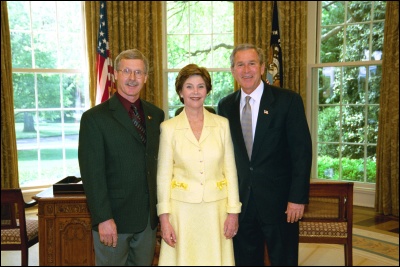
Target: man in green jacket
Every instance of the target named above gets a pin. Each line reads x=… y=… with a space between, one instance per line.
x=118 y=151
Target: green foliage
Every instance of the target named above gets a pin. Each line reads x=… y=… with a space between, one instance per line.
x=346 y=169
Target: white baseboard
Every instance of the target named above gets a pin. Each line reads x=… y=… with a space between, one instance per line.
x=364 y=197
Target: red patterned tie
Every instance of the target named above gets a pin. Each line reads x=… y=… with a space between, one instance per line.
x=137 y=121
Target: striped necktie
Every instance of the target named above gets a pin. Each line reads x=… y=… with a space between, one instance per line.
x=137 y=121
x=246 y=126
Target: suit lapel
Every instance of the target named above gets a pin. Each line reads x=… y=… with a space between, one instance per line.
x=265 y=115
x=152 y=127
x=183 y=124
x=208 y=124
x=120 y=115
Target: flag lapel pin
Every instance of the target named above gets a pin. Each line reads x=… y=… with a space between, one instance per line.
x=149 y=117
x=265 y=112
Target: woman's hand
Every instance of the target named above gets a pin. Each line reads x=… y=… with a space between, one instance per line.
x=167 y=231
x=231 y=225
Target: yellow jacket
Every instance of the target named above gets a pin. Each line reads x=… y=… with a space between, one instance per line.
x=191 y=170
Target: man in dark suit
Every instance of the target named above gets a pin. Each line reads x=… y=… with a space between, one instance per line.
x=118 y=164
x=274 y=169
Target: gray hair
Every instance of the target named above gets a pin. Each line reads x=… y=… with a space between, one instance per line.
x=241 y=47
x=132 y=54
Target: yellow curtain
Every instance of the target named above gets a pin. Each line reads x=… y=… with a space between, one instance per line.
x=293 y=31
x=131 y=24
x=387 y=152
x=253 y=22
x=9 y=158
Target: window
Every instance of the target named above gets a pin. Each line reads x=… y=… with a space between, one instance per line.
x=199 y=32
x=50 y=90
x=345 y=86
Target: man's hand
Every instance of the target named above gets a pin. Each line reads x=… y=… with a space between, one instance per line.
x=108 y=233
x=294 y=212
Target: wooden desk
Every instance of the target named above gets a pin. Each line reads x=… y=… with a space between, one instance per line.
x=65 y=232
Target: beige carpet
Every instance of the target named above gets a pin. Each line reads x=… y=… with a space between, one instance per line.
x=369 y=249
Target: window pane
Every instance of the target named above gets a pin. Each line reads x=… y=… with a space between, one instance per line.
x=200 y=50
x=329 y=124
x=354 y=85
x=44 y=16
x=222 y=52
x=223 y=84
x=70 y=42
x=329 y=85
x=379 y=9
x=352 y=169
x=177 y=17
x=377 y=40
x=328 y=162
x=173 y=99
x=73 y=91
x=372 y=124
x=177 y=51
x=28 y=167
x=21 y=49
x=45 y=50
x=359 y=11
x=20 y=19
x=48 y=90
x=331 y=44
x=357 y=42
x=353 y=128
x=371 y=164
x=201 y=14
x=222 y=9
x=24 y=90
x=332 y=12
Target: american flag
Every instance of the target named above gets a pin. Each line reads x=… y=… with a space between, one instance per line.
x=274 y=64
x=105 y=70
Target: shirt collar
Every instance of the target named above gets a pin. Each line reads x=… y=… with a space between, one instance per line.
x=255 y=95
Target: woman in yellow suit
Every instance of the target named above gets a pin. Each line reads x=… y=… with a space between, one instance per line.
x=197 y=185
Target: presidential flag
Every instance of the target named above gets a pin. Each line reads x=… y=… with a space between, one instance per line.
x=274 y=64
x=105 y=70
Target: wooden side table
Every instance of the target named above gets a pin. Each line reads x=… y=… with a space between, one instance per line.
x=65 y=232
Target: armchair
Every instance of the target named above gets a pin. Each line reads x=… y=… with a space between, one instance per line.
x=17 y=233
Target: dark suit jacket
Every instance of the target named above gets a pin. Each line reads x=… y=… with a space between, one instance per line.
x=118 y=171
x=279 y=170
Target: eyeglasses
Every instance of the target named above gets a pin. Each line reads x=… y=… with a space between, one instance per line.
x=127 y=73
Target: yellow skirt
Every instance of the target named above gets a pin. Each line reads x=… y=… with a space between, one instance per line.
x=200 y=236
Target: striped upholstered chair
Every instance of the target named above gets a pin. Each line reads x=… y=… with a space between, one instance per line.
x=328 y=218
x=17 y=233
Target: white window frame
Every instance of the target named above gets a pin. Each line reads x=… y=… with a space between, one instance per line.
x=364 y=193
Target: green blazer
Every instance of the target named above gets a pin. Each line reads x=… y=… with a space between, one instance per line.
x=280 y=165
x=119 y=172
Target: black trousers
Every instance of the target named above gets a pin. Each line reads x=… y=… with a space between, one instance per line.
x=282 y=240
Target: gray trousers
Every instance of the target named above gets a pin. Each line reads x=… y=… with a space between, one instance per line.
x=135 y=249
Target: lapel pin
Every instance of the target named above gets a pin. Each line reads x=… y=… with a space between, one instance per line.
x=149 y=117
x=266 y=112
